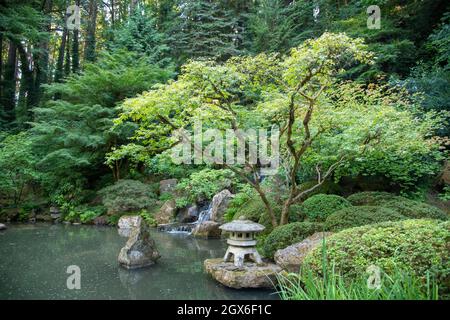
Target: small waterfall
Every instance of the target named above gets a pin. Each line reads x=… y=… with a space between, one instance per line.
x=204 y=215
x=187 y=228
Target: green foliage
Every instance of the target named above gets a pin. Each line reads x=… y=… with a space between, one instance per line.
x=370 y=198
x=71 y=135
x=242 y=204
x=17 y=166
x=445 y=195
x=148 y=217
x=400 y=285
x=127 y=196
x=407 y=207
x=359 y=216
x=415 y=209
x=320 y=206
x=206 y=29
x=417 y=247
x=283 y=236
x=204 y=184
x=141 y=35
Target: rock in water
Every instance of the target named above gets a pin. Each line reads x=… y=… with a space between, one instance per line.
x=140 y=250
x=250 y=275
x=128 y=222
x=207 y=229
x=2 y=226
x=166 y=213
x=219 y=205
x=291 y=258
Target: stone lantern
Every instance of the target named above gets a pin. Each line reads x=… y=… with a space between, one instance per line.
x=242 y=242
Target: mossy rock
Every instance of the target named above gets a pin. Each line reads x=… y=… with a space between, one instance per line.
x=320 y=206
x=360 y=215
x=283 y=236
x=417 y=246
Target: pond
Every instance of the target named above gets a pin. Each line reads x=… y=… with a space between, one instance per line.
x=34 y=261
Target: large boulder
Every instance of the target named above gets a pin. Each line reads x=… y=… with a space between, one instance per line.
x=219 y=205
x=188 y=214
x=140 y=250
x=291 y=258
x=207 y=229
x=166 y=213
x=249 y=276
x=167 y=186
x=2 y=226
x=128 y=222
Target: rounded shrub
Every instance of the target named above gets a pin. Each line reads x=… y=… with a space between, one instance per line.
x=410 y=208
x=370 y=198
x=127 y=196
x=415 y=209
x=320 y=206
x=359 y=216
x=283 y=236
x=417 y=246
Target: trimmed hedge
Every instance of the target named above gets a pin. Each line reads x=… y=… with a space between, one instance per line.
x=416 y=246
x=320 y=206
x=415 y=209
x=359 y=216
x=410 y=208
x=283 y=236
x=370 y=198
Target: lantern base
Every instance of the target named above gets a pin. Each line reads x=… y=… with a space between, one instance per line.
x=238 y=254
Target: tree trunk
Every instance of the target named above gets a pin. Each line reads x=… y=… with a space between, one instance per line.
x=59 y=72
x=26 y=84
x=9 y=88
x=89 y=51
x=42 y=57
x=75 y=48
x=67 y=56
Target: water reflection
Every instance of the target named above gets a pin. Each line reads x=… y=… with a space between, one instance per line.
x=34 y=259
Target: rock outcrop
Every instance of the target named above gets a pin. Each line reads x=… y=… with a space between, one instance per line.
x=140 y=250
x=249 y=276
x=291 y=258
x=166 y=213
x=207 y=229
x=167 y=186
x=219 y=205
x=188 y=214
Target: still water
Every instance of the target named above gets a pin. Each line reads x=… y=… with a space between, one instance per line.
x=34 y=260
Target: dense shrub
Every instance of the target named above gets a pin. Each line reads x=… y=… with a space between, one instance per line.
x=407 y=207
x=359 y=216
x=370 y=198
x=204 y=184
x=127 y=195
x=416 y=246
x=283 y=236
x=415 y=209
x=320 y=206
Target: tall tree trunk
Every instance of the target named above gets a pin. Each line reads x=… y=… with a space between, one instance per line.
x=9 y=80
x=42 y=57
x=67 y=57
x=26 y=94
x=1 y=67
x=89 y=51
x=75 y=48
x=59 y=72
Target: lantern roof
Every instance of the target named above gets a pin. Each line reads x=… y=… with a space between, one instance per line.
x=242 y=226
